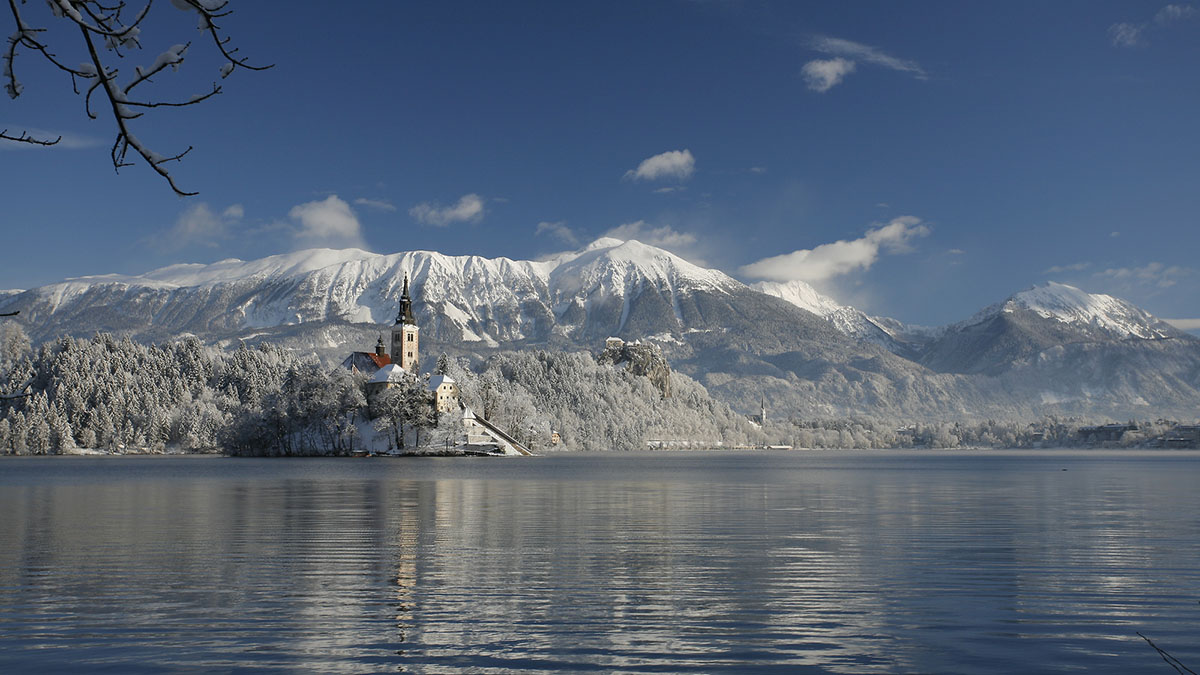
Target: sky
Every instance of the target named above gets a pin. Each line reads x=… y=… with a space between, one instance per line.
x=915 y=160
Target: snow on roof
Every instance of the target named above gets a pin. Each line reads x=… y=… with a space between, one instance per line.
x=438 y=380
x=389 y=373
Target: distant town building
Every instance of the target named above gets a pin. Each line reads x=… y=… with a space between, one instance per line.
x=761 y=418
x=1105 y=433
x=1183 y=436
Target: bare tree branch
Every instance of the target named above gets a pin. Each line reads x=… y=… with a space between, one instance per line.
x=97 y=19
x=1171 y=660
x=26 y=138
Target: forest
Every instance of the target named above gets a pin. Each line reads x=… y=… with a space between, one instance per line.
x=183 y=396
x=121 y=396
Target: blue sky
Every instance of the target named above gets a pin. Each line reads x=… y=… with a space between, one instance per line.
x=959 y=152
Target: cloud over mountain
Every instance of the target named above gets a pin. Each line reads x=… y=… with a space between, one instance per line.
x=328 y=222
x=469 y=209
x=831 y=260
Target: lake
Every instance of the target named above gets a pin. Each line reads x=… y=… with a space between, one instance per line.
x=839 y=562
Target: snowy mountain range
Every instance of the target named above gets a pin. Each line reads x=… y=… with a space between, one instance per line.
x=1049 y=349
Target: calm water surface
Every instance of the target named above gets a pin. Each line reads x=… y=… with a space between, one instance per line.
x=843 y=562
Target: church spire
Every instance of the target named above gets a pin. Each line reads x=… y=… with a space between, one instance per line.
x=404 y=334
x=405 y=316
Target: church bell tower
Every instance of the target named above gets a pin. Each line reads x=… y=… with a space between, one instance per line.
x=404 y=334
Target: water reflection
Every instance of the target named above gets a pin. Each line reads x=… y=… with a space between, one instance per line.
x=686 y=563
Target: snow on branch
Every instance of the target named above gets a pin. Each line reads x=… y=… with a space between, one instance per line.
x=103 y=24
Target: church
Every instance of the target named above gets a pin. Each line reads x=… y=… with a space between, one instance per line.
x=395 y=364
x=390 y=368
x=405 y=345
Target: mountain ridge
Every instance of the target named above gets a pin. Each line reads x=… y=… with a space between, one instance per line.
x=739 y=340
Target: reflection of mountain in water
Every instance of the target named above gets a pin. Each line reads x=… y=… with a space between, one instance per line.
x=707 y=562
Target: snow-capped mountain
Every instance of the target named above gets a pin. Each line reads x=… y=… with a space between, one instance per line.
x=1091 y=311
x=1003 y=335
x=1048 y=349
x=800 y=294
x=603 y=288
x=846 y=319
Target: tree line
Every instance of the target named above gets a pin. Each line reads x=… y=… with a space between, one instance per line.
x=115 y=394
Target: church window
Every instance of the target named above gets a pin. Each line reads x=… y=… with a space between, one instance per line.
x=410 y=337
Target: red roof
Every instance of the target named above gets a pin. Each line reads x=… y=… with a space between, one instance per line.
x=380 y=361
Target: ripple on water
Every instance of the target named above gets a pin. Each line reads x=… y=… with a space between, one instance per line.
x=829 y=562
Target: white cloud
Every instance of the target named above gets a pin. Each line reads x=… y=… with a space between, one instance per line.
x=1172 y=13
x=1185 y=324
x=330 y=222
x=678 y=164
x=683 y=244
x=377 y=204
x=859 y=52
x=1126 y=34
x=956 y=251
x=823 y=75
x=662 y=237
x=469 y=209
x=1153 y=274
x=840 y=257
x=1075 y=267
x=196 y=225
x=558 y=230
x=199 y=225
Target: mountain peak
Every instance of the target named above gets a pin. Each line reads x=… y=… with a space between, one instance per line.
x=1070 y=305
x=800 y=294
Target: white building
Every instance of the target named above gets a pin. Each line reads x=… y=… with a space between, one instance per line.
x=445 y=393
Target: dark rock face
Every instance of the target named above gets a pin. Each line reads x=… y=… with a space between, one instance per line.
x=641 y=359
